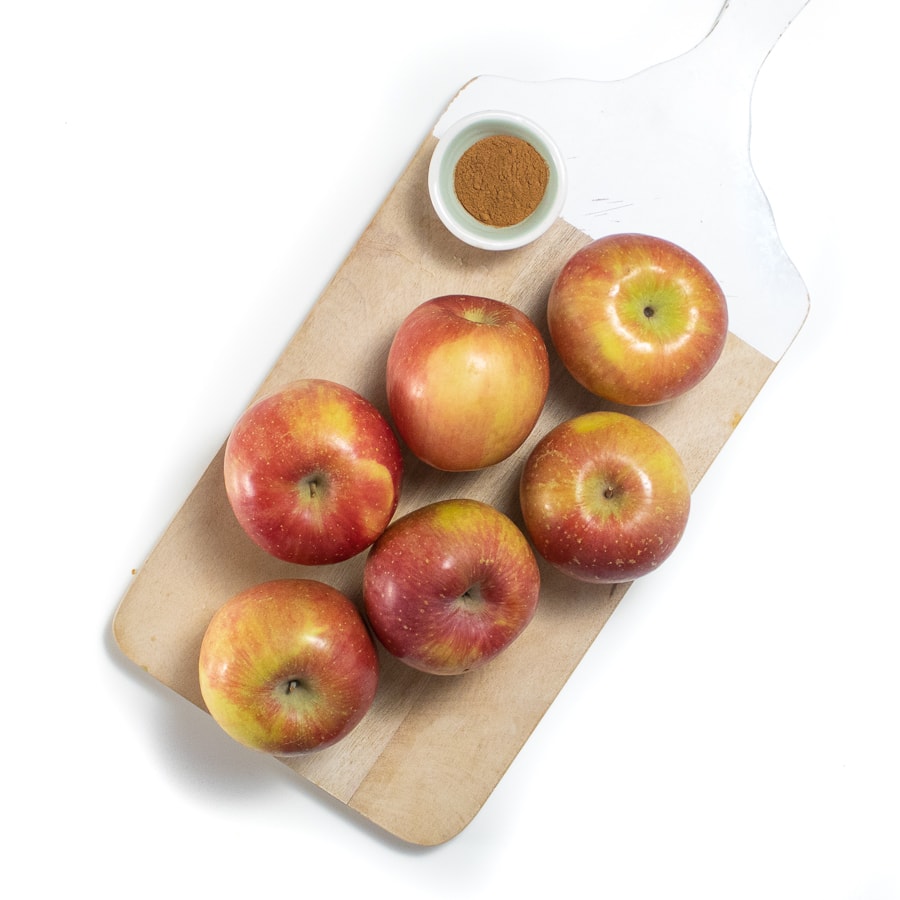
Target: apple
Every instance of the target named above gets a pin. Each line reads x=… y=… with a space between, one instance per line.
x=288 y=666
x=467 y=378
x=450 y=585
x=313 y=472
x=604 y=497
x=637 y=319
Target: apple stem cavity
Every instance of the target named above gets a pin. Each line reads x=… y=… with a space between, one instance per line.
x=480 y=316
x=472 y=598
x=649 y=312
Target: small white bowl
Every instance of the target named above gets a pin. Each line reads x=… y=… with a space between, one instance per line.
x=455 y=142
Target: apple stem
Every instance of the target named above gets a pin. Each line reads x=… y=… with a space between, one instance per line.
x=649 y=312
x=312 y=485
x=293 y=685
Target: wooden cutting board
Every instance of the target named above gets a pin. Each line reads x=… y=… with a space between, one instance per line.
x=664 y=152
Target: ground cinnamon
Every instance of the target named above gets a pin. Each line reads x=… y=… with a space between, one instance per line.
x=500 y=180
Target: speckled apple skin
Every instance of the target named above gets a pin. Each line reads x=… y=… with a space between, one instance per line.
x=288 y=666
x=637 y=319
x=313 y=472
x=467 y=378
x=418 y=575
x=605 y=497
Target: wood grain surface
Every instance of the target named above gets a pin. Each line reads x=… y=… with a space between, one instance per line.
x=432 y=749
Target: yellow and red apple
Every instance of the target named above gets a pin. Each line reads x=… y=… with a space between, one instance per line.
x=288 y=667
x=636 y=319
x=313 y=472
x=467 y=378
x=605 y=497
x=450 y=586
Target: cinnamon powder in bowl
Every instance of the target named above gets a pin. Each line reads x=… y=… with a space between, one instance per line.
x=496 y=180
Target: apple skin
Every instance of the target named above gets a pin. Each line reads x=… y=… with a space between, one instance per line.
x=313 y=472
x=637 y=319
x=467 y=378
x=604 y=497
x=450 y=585
x=288 y=666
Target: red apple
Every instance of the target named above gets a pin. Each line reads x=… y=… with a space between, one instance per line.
x=604 y=497
x=637 y=319
x=313 y=472
x=288 y=666
x=467 y=378
x=450 y=585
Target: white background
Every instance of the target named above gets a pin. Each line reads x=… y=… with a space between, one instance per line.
x=179 y=182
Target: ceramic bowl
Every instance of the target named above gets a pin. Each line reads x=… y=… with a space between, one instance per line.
x=457 y=139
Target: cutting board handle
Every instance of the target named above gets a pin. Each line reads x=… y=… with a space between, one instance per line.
x=745 y=31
